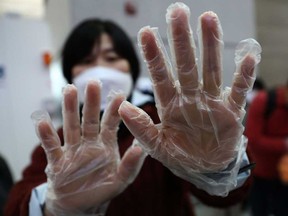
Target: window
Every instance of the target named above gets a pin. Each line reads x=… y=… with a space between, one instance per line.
x=26 y=8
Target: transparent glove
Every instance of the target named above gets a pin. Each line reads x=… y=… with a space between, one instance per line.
x=87 y=171
x=200 y=135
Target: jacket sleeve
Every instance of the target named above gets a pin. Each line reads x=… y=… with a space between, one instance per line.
x=33 y=175
x=234 y=197
x=255 y=128
x=239 y=194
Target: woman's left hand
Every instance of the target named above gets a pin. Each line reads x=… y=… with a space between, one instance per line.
x=200 y=131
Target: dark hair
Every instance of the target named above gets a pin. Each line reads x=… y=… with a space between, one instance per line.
x=259 y=84
x=83 y=38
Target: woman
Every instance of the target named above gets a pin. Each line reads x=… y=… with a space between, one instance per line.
x=201 y=146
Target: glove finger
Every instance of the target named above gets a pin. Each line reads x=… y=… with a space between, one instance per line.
x=139 y=123
x=70 y=109
x=210 y=36
x=243 y=81
x=48 y=136
x=91 y=111
x=111 y=119
x=131 y=164
x=182 y=46
x=247 y=56
x=158 y=65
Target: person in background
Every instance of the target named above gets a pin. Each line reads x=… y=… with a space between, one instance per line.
x=267 y=132
x=193 y=136
x=6 y=182
x=258 y=86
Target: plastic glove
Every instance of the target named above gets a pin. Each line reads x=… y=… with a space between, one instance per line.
x=200 y=135
x=87 y=171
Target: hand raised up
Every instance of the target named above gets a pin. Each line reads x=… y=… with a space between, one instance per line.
x=200 y=135
x=87 y=171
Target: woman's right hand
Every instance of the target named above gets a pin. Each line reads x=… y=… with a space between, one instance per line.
x=87 y=171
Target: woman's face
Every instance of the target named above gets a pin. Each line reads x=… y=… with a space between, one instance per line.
x=102 y=55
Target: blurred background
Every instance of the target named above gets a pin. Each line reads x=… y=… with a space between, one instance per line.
x=32 y=33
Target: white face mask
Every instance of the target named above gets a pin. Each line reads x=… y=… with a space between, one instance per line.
x=110 y=78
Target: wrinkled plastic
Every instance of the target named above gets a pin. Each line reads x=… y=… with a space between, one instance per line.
x=87 y=171
x=200 y=137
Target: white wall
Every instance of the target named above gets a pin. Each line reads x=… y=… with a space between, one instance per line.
x=272 y=31
x=22 y=90
x=58 y=16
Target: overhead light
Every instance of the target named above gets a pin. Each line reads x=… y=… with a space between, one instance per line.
x=24 y=8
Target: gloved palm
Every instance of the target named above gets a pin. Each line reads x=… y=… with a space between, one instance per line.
x=87 y=170
x=200 y=130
